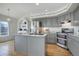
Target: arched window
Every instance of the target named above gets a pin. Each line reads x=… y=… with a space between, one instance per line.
x=4 y=28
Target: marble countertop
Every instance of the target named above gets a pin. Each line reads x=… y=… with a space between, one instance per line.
x=37 y=35
x=76 y=35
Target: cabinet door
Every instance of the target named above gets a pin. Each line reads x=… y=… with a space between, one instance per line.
x=69 y=42
x=75 y=47
x=51 y=38
x=44 y=22
x=76 y=18
x=53 y=22
x=21 y=44
x=36 y=46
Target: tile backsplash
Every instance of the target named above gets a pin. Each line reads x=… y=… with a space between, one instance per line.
x=52 y=29
x=58 y=29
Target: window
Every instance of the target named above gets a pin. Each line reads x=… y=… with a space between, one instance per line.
x=4 y=28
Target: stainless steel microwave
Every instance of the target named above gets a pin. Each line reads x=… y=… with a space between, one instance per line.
x=67 y=30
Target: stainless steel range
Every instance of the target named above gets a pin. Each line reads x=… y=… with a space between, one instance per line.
x=62 y=37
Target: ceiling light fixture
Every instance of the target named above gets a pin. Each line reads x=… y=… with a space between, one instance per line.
x=8 y=19
x=46 y=10
x=37 y=4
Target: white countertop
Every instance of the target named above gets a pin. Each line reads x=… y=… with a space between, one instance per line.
x=32 y=35
x=76 y=35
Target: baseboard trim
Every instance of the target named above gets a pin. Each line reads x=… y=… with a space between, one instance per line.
x=6 y=40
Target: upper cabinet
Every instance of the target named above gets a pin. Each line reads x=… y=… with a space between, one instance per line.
x=66 y=18
x=50 y=22
x=56 y=21
x=76 y=17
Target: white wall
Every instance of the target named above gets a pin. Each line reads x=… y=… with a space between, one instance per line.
x=12 y=28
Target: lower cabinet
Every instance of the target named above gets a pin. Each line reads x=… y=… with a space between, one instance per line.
x=21 y=44
x=51 y=38
x=30 y=45
x=36 y=46
x=73 y=45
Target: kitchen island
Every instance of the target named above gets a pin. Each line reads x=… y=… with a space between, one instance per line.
x=30 y=45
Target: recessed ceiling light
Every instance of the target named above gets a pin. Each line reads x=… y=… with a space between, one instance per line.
x=8 y=19
x=46 y=10
x=37 y=4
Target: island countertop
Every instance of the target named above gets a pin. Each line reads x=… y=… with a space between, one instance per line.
x=37 y=35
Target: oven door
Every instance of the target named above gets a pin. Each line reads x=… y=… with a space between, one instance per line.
x=62 y=42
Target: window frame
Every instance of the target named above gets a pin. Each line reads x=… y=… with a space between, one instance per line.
x=7 y=30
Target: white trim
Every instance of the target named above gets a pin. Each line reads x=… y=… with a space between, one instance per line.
x=61 y=39
x=8 y=30
x=68 y=8
x=39 y=14
x=62 y=45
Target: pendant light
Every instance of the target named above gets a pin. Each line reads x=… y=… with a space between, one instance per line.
x=8 y=10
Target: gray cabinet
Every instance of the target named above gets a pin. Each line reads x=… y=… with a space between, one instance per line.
x=21 y=44
x=44 y=23
x=36 y=46
x=53 y=22
x=50 y=22
x=73 y=44
x=76 y=17
x=51 y=38
x=31 y=45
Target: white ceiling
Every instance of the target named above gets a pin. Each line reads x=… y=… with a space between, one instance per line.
x=18 y=10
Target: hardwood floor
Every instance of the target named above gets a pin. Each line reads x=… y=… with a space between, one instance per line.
x=7 y=49
x=55 y=50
